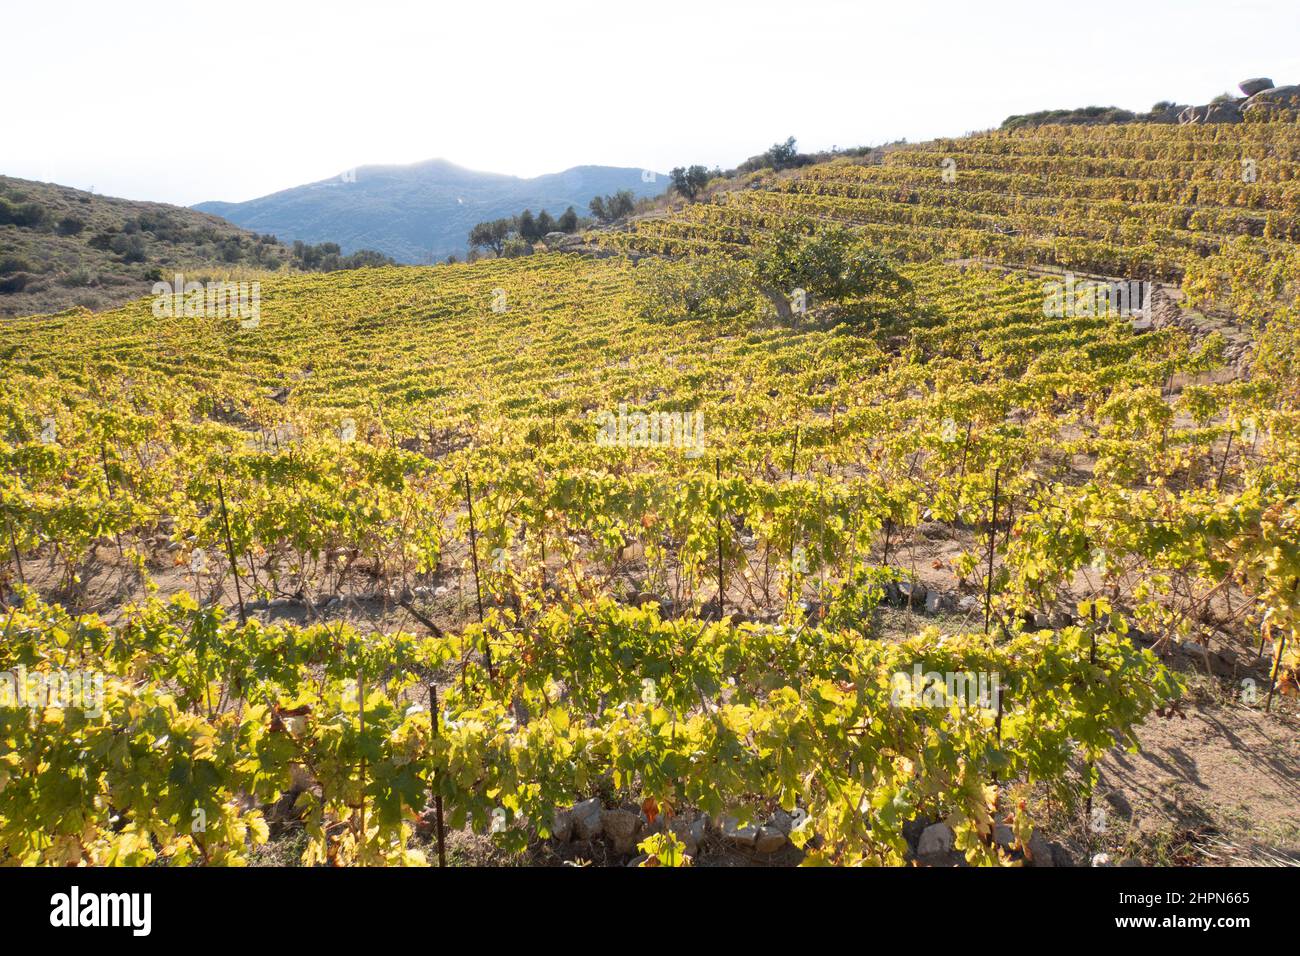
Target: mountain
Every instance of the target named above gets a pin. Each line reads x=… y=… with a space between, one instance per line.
x=423 y=211
x=62 y=247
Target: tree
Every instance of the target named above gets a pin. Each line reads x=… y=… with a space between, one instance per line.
x=545 y=224
x=568 y=221
x=710 y=287
x=620 y=204
x=610 y=208
x=783 y=154
x=827 y=264
x=689 y=181
x=490 y=235
x=778 y=156
x=526 y=226
x=517 y=246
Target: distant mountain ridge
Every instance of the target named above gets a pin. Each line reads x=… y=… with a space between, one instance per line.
x=424 y=211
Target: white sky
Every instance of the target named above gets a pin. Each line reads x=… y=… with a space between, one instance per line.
x=230 y=100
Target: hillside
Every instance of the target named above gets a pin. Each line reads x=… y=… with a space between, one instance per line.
x=654 y=546
x=423 y=212
x=1154 y=202
x=62 y=247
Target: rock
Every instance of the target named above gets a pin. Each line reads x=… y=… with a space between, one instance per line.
x=587 y=823
x=735 y=834
x=1101 y=859
x=300 y=779
x=969 y=604
x=638 y=860
x=562 y=828
x=1042 y=621
x=912 y=831
x=769 y=840
x=936 y=840
x=1167 y=115
x=690 y=832
x=911 y=594
x=1004 y=837
x=621 y=829
x=1226 y=111
x=816 y=610
x=1255 y=85
x=1039 y=851
x=1279 y=97
x=782 y=821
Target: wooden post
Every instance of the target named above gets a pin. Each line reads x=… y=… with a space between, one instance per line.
x=1277 y=668
x=717 y=471
x=478 y=588
x=437 y=790
x=361 y=709
x=1223 y=465
x=993 y=537
x=18 y=561
x=230 y=553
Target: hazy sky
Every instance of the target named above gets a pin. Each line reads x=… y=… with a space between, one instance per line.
x=230 y=100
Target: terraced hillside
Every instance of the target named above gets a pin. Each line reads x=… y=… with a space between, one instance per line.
x=1201 y=204
x=512 y=550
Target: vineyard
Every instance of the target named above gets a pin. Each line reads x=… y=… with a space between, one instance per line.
x=431 y=557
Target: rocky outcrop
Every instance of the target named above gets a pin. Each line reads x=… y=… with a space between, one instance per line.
x=1225 y=111
x=1261 y=97
x=1283 y=98
x=1255 y=85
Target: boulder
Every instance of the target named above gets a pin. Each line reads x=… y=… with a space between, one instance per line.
x=621 y=829
x=782 y=821
x=689 y=831
x=936 y=840
x=1279 y=97
x=912 y=831
x=1167 y=115
x=769 y=839
x=735 y=834
x=562 y=828
x=936 y=602
x=587 y=823
x=1255 y=85
x=1226 y=111
x=1039 y=851
x=911 y=594
x=1004 y=837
